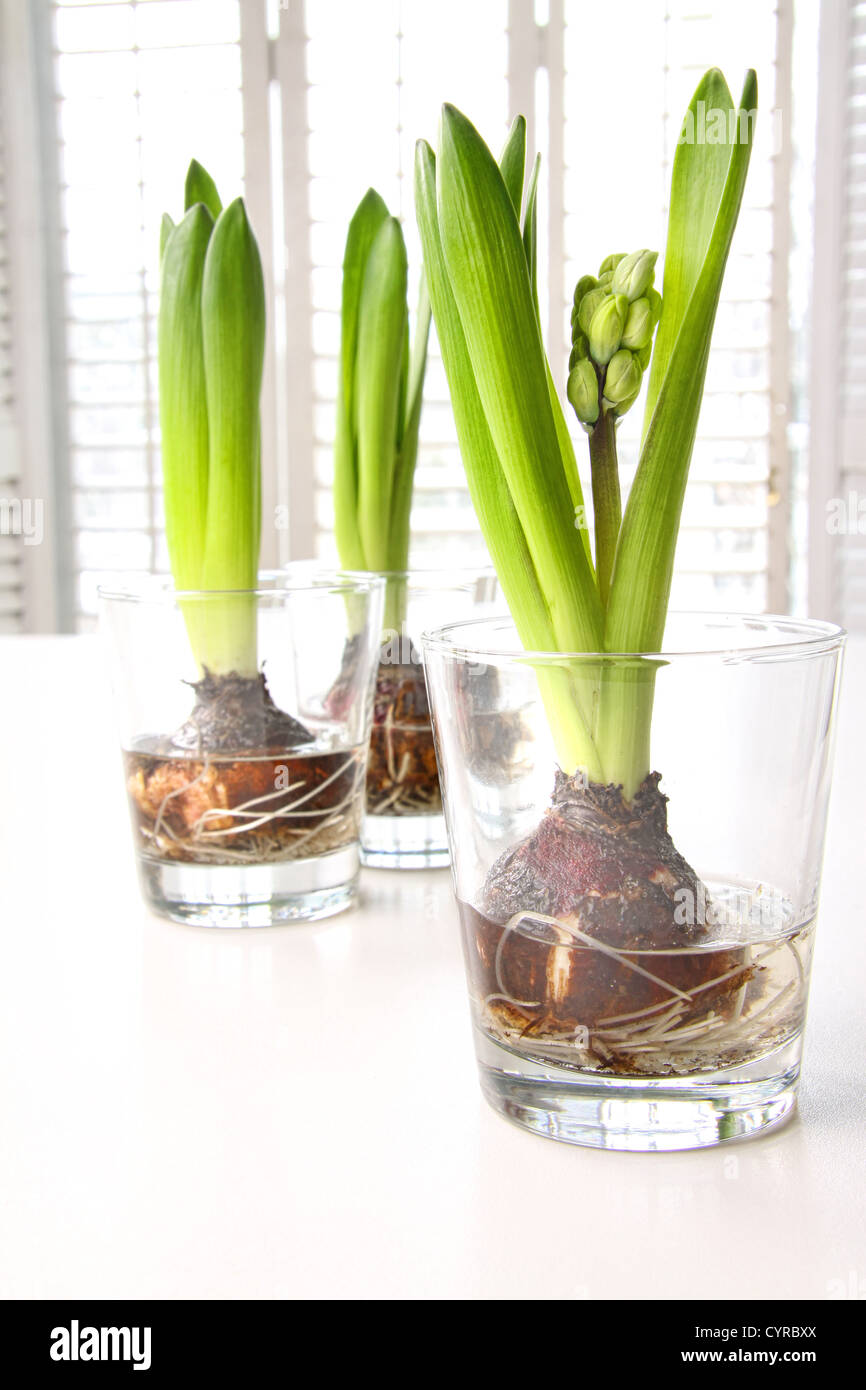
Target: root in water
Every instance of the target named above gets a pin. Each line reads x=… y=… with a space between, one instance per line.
x=582 y=952
x=245 y=811
x=402 y=778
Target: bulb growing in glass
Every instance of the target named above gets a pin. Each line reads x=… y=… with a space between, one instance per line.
x=600 y=873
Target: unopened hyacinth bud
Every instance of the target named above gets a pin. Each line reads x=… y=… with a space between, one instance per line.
x=583 y=286
x=612 y=324
x=622 y=379
x=605 y=329
x=634 y=274
x=582 y=391
x=638 y=329
x=580 y=348
x=588 y=305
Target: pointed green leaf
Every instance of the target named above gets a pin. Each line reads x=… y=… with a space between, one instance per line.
x=233 y=330
x=512 y=162
x=489 y=491
x=530 y=228
x=200 y=188
x=489 y=278
x=166 y=227
x=700 y=172
x=488 y=488
x=407 y=456
x=418 y=363
x=381 y=345
x=182 y=396
x=566 y=447
x=363 y=229
x=705 y=203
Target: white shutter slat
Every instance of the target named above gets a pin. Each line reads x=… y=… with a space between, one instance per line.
x=847 y=527
x=11 y=545
x=141 y=90
x=166 y=80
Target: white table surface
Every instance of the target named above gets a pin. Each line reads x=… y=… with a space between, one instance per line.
x=294 y=1112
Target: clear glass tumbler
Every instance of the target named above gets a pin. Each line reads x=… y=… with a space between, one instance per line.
x=403 y=826
x=244 y=736
x=638 y=965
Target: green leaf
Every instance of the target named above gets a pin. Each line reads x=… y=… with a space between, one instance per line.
x=706 y=193
x=488 y=488
x=200 y=188
x=166 y=227
x=407 y=455
x=707 y=190
x=530 y=229
x=512 y=162
x=492 y=500
x=182 y=396
x=516 y=450
x=363 y=229
x=566 y=447
x=489 y=279
x=700 y=172
x=378 y=384
x=233 y=332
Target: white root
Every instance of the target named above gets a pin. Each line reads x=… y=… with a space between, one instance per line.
x=403 y=798
x=572 y=931
x=328 y=828
x=663 y=1037
x=284 y=812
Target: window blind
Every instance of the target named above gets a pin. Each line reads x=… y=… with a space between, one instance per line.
x=142 y=84
x=847 y=513
x=837 y=336
x=141 y=87
x=11 y=596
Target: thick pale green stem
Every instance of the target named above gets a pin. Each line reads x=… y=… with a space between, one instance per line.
x=395 y=604
x=566 y=691
x=622 y=729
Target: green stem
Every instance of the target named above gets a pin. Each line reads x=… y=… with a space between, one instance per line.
x=622 y=731
x=395 y=605
x=606 y=500
x=567 y=692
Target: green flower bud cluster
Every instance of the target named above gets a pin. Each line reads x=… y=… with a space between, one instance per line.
x=614 y=318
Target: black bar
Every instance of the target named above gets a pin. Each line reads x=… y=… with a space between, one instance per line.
x=651 y=1337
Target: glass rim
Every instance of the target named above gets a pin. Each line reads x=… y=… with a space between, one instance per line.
x=815 y=636
x=160 y=588
x=454 y=574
